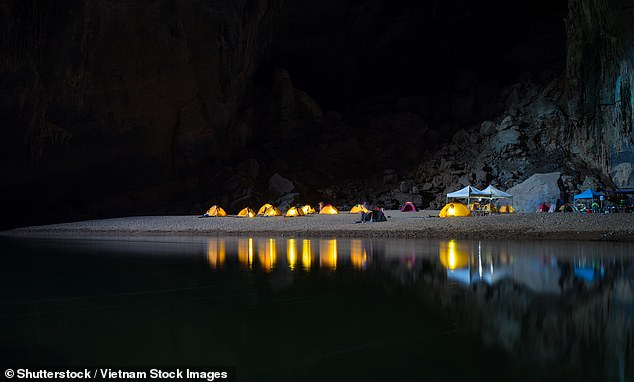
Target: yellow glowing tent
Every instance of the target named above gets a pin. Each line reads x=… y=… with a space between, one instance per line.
x=294 y=211
x=273 y=211
x=488 y=208
x=215 y=211
x=246 y=212
x=307 y=210
x=454 y=209
x=329 y=210
x=507 y=209
x=358 y=208
x=263 y=209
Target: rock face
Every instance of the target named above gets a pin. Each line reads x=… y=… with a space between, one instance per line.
x=204 y=101
x=600 y=73
x=539 y=188
x=112 y=115
x=279 y=185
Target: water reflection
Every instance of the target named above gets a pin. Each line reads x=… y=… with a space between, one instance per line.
x=358 y=255
x=551 y=304
x=506 y=288
x=291 y=253
x=328 y=254
x=245 y=252
x=216 y=253
x=307 y=256
x=267 y=254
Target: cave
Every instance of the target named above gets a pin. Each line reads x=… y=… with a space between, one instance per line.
x=126 y=107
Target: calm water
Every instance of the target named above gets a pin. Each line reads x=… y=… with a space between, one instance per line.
x=299 y=309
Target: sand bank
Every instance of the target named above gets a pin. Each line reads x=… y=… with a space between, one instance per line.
x=422 y=224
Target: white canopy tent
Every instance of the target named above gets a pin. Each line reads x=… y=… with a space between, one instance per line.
x=497 y=194
x=468 y=193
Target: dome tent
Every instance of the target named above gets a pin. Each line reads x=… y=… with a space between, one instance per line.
x=408 y=207
x=454 y=209
x=506 y=209
x=272 y=211
x=246 y=212
x=294 y=211
x=358 y=208
x=215 y=211
x=329 y=210
x=307 y=209
x=263 y=209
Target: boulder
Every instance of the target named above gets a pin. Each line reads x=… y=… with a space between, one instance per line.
x=505 y=138
x=487 y=128
x=461 y=137
x=622 y=175
x=279 y=185
x=405 y=186
x=506 y=123
x=539 y=188
x=390 y=176
x=309 y=104
x=285 y=202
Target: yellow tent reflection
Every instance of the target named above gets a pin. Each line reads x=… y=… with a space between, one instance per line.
x=307 y=256
x=358 y=256
x=453 y=255
x=267 y=254
x=291 y=253
x=216 y=253
x=245 y=252
x=328 y=254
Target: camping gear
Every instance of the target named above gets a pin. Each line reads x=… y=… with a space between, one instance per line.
x=373 y=216
x=307 y=209
x=488 y=208
x=246 y=212
x=263 y=209
x=593 y=196
x=215 y=211
x=506 y=209
x=454 y=209
x=568 y=207
x=475 y=206
x=544 y=207
x=329 y=210
x=294 y=211
x=408 y=207
x=272 y=211
x=358 y=208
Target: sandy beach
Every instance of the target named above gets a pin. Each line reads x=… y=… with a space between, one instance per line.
x=421 y=224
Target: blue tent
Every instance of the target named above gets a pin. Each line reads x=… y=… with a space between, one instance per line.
x=588 y=194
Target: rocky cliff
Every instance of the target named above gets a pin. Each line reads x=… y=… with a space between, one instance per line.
x=600 y=76
x=117 y=107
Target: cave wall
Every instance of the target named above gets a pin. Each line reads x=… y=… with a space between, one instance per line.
x=121 y=101
x=600 y=72
x=116 y=107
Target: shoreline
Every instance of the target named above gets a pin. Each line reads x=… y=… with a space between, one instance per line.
x=421 y=224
